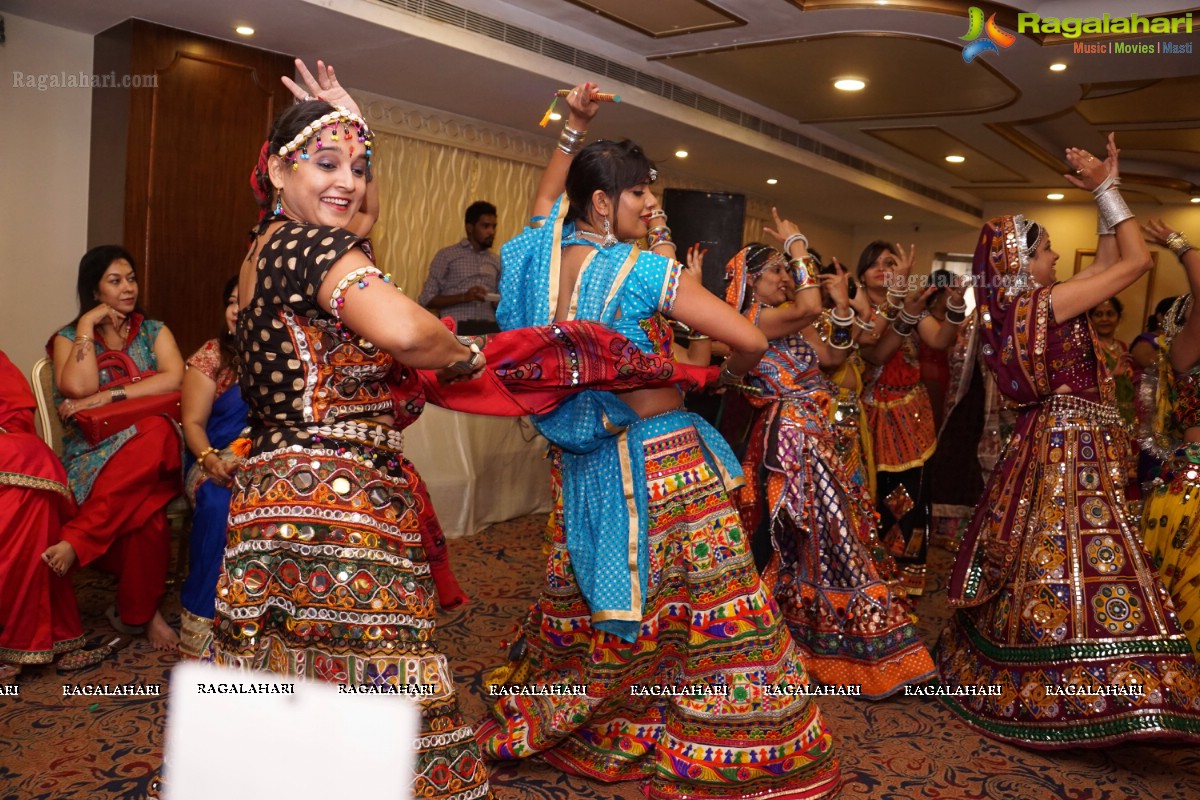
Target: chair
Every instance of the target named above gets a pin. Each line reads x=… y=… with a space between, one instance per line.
x=179 y=512
x=49 y=425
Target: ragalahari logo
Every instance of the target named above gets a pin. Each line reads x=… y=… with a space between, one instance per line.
x=995 y=36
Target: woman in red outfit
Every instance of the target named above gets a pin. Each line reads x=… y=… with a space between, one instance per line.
x=38 y=616
x=124 y=483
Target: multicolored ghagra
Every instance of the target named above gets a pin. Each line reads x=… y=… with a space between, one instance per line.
x=836 y=585
x=707 y=624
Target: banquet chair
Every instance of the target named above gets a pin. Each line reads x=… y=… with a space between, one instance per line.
x=50 y=427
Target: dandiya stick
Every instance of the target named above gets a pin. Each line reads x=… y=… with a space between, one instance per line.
x=599 y=97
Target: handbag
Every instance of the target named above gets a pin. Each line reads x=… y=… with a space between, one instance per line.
x=97 y=424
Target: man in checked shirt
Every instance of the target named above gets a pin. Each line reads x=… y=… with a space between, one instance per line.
x=463 y=277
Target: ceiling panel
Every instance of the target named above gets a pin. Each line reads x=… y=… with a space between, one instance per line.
x=661 y=18
x=796 y=77
x=1166 y=100
x=932 y=145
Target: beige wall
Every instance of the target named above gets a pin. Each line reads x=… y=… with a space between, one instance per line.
x=43 y=205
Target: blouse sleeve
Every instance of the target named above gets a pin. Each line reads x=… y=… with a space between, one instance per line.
x=207 y=360
x=655 y=281
x=301 y=256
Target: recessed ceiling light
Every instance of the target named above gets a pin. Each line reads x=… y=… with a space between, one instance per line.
x=244 y=30
x=554 y=115
x=681 y=154
x=772 y=181
x=1055 y=196
x=1196 y=199
x=849 y=84
x=956 y=159
x=887 y=216
x=1057 y=66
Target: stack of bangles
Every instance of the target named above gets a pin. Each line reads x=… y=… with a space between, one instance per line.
x=659 y=233
x=803 y=272
x=840 y=336
x=205 y=453
x=867 y=325
x=570 y=141
x=956 y=314
x=905 y=323
x=1178 y=244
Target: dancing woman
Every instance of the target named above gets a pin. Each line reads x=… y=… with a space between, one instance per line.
x=1171 y=514
x=898 y=406
x=836 y=588
x=1057 y=603
x=650 y=587
x=325 y=575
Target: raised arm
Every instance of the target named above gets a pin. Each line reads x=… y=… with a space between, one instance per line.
x=1087 y=289
x=1090 y=173
x=941 y=334
x=805 y=305
x=1185 y=348
x=554 y=179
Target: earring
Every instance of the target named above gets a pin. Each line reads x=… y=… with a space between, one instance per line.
x=279 y=203
x=609 y=239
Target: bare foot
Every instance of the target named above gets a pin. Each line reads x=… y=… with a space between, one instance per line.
x=161 y=635
x=59 y=557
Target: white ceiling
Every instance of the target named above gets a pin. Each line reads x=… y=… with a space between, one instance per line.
x=382 y=48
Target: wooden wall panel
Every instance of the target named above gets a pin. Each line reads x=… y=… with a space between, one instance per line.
x=192 y=141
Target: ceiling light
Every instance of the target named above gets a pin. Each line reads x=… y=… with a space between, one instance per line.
x=772 y=181
x=681 y=153
x=1196 y=199
x=849 y=84
x=1055 y=196
x=1057 y=66
x=887 y=217
x=244 y=30
x=555 y=116
x=956 y=159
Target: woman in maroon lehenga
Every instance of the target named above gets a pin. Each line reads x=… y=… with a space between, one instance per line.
x=38 y=615
x=1060 y=610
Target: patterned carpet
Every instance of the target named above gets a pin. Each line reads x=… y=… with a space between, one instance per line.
x=82 y=748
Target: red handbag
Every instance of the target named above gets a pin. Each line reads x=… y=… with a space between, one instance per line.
x=97 y=424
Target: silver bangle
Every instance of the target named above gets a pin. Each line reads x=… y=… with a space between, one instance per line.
x=467 y=366
x=841 y=322
x=789 y=241
x=1178 y=244
x=1113 y=209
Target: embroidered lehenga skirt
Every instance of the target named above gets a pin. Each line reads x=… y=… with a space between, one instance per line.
x=325 y=578
x=1070 y=636
x=707 y=626
x=1171 y=527
x=836 y=586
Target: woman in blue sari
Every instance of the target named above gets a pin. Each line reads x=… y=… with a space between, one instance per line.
x=214 y=416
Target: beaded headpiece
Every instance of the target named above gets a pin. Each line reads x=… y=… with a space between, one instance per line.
x=1020 y=279
x=340 y=121
x=750 y=260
